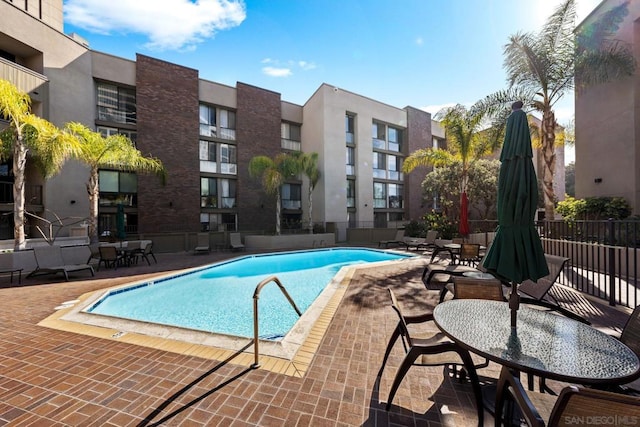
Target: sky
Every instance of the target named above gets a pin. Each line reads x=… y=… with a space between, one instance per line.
x=421 y=53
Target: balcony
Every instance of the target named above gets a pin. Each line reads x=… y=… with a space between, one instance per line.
x=34 y=84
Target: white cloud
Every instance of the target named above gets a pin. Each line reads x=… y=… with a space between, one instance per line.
x=284 y=68
x=168 y=24
x=277 y=72
x=306 y=65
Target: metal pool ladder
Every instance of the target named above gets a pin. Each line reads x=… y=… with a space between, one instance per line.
x=256 y=296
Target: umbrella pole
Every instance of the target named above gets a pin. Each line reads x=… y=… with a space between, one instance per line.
x=514 y=303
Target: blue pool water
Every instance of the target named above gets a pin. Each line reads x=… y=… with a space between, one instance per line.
x=219 y=298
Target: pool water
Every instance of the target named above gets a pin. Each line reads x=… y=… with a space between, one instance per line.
x=219 y=298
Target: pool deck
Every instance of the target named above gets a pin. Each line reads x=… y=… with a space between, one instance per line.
x=52 y=377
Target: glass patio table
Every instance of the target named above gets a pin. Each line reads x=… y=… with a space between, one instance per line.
x=543 y=344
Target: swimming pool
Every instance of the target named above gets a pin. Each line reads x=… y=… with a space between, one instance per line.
x=218 y=298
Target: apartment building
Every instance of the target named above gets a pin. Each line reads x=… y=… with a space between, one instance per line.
x=607 y=123
x=205 y=133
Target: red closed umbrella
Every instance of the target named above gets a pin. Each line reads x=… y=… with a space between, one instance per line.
x=463 y=227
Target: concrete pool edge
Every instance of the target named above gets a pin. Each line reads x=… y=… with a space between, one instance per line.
x=303 y=349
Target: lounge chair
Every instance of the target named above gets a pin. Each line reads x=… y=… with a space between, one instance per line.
x=433 y=350
x=398 y=240
x=422 y=243
x=537 y=293
x=235 y=242
x=49 y=261
x=203 y=244
x=574 y=405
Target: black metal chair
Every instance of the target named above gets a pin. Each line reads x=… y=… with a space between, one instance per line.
x=432 y=350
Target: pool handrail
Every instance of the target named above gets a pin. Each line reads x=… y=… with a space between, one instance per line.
x=256 y=296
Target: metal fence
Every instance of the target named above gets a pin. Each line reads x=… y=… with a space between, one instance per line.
x=604 y=255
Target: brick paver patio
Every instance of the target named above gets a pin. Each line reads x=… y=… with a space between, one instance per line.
x=56 y=378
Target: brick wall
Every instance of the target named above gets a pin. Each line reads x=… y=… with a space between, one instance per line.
x=418 y=136
x=258 y=121
x=168 y=128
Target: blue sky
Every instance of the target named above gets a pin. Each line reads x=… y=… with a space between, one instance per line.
x=423 y=53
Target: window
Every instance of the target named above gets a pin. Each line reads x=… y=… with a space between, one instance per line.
x=394 y=165
x=228 y=193
x=227 y=124
x=378 y=134
x=350 y=128
x=208 y=192
x=116 y=104
x=291 y=196
x=117 y=188
x=208 y=151
x=351 y=161
x=395 y=196
x=395 y=139
x=351 y=193
x=108 y=131
x=291 y=136
x=207 y=120
x=379 y=195
x=379 y=170
x=228 y=163
x=218 y=222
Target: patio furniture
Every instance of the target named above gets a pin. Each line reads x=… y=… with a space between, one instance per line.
x=573 y=403
x=145 y=253
x=111 y=257
x=422 y=243
x=235 y=242
x=203 y=245
x=474 y=288
x=49 y=260
x=537 y=293
x=469 y=254
x=11 y=271
x=542 y=343
x=398 y=240
x=431 y=350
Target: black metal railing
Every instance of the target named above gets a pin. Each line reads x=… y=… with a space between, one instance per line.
x=604 y=255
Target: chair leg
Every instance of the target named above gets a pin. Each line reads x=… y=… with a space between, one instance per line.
x=392 y=341
x=443 y=293
x=411 y=356
x=475 y=383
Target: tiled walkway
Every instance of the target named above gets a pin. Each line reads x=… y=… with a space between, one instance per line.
x=56 y=378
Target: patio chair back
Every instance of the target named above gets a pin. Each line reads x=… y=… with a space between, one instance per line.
x=471 y=288
x=573 y=404
x=539 y=289
x=631 y=332
x=48 y=256
x=469 y=254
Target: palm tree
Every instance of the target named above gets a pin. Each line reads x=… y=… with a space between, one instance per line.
x=309 y=167
x=273 y=173
x=541 y=69
x=114 y=151
x=468 y=140
x=28 y=134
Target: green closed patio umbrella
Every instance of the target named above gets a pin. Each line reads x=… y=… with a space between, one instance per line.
x=516 y=253
x=120 y=225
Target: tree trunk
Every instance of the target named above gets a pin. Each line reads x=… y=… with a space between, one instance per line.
x=310 y=208
x=549 y=156
x=94 y=195
x=278 y=213
x=19 y=166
